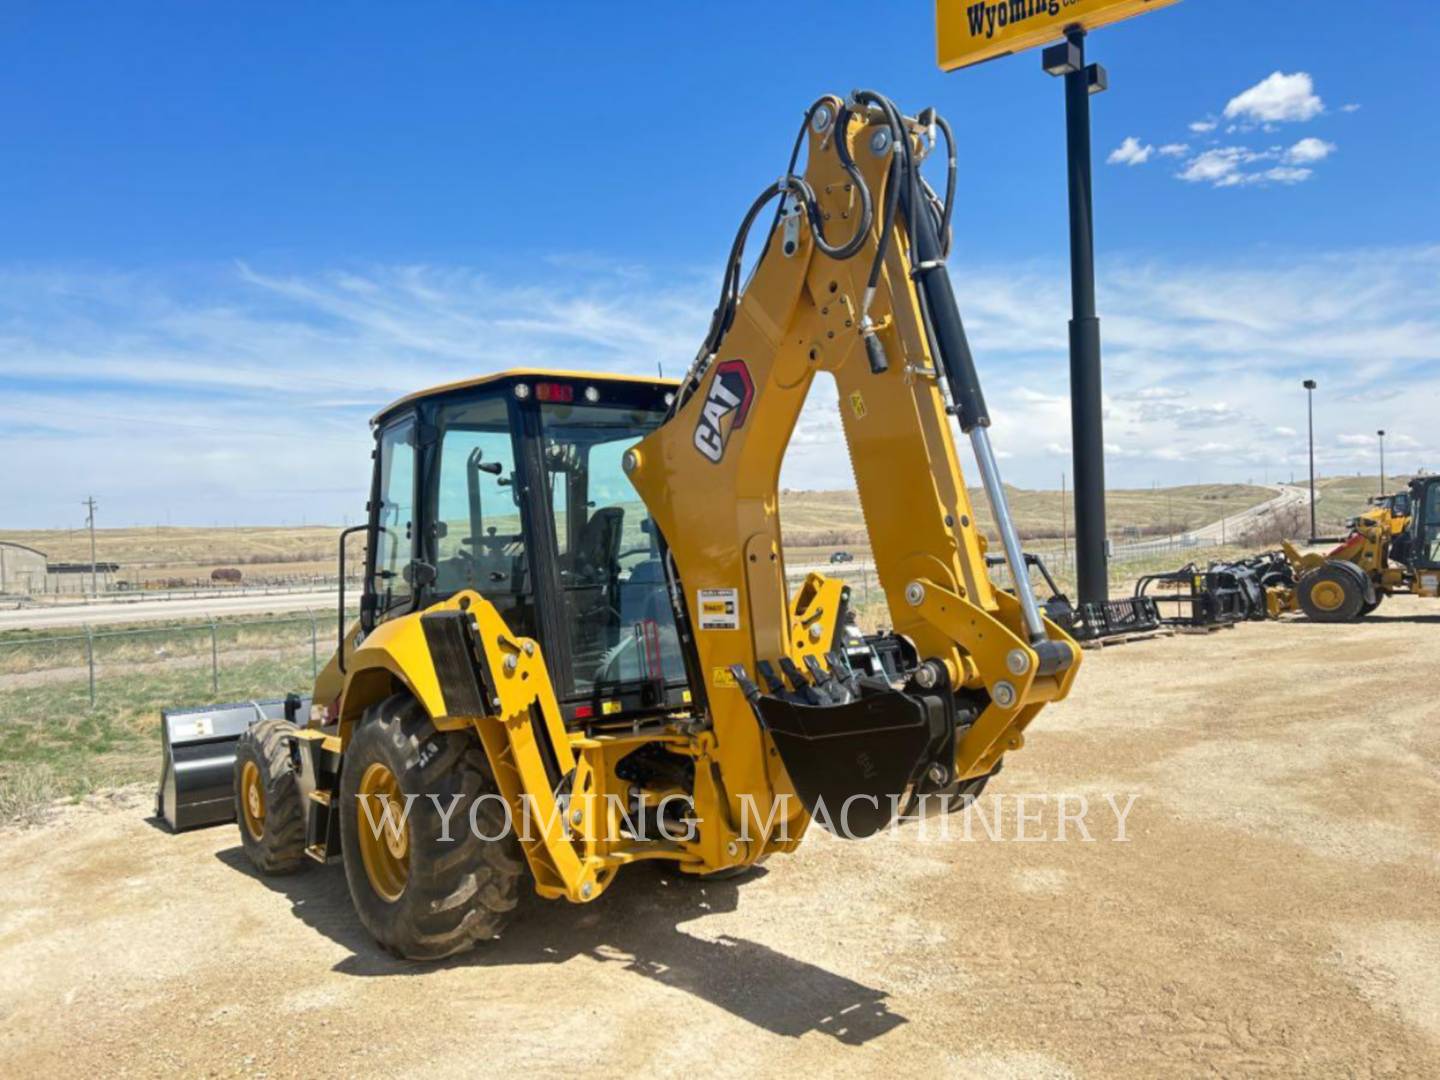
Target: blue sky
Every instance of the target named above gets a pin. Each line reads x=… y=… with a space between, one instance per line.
x=231 y=232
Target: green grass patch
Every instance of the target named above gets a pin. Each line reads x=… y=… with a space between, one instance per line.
x=54 y=745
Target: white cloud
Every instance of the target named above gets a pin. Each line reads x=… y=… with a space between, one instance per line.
x=1210 y=167
x=1130 y=152
x=1309 y=150
x=1351 y=108
x=1223 y=167
x=1203 y=127
x=243 y=395
x=1283 y=174
x=1279 y=97
x=1174 y=149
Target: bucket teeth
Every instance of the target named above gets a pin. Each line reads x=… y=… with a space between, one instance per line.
x=812 y=685
x=773 y=683
x=834 y=691
x=840 y=668
x=803 y=690
x=748 y=688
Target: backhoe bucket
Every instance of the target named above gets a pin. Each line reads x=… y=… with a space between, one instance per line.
x=856 y=749
x=197 y=771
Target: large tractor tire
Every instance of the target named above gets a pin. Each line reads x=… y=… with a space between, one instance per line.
x=1334 y=593
x=267 y=799
x=420 y=895
x=1366 y=609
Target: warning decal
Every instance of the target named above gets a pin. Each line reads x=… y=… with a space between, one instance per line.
x=719 y=609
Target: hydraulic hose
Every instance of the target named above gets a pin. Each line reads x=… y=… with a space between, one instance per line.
x=797 y=187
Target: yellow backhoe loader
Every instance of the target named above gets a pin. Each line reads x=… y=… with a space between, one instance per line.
x=577 y=648
x=1394 y=547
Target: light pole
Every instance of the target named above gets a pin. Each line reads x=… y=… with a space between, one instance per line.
x=1086 y=404
x=1310 y=385
x=1381 y=433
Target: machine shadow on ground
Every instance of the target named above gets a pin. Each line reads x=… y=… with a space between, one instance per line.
x=636 y=926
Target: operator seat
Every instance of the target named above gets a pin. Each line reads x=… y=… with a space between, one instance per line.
x=597 y=554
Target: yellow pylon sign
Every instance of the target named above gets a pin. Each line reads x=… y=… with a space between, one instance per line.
x=970 y=31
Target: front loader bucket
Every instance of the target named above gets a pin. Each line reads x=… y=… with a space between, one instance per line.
x=855 y=749
x=196 y=774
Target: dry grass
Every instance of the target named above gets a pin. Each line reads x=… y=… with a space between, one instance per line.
x=815 y=523
x=163 y=546
x=819 y=519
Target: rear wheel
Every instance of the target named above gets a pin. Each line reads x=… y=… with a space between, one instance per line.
x=1366 y=609
x=423 y=889
x=267 y=799
x=1334 y=593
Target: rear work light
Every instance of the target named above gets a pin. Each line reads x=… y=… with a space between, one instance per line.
x=554 y=391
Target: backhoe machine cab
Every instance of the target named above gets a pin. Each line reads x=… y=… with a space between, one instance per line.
x=1394 y=547
x=512 y=487
x=578 y=647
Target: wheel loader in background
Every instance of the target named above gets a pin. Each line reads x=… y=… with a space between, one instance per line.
x=576 y=647
x=1387 y=552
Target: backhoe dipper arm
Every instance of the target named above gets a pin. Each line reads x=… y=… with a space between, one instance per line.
x=852 y=282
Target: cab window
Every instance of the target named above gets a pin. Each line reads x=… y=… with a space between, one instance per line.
x=394 y=517
x=477 y=538
x=617 y=611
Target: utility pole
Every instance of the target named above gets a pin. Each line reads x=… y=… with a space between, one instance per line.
x=1381 y=433
x=1310 y=385
x=89 y=505
x=1086 y=425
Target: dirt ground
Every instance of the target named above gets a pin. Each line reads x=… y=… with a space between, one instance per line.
x=1274 y=909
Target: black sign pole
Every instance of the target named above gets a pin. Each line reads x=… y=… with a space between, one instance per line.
x=1087 y=429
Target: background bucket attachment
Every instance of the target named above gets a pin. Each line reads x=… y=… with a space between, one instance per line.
x=198 y=745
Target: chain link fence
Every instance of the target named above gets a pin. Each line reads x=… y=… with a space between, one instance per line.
x=238 y=658
x=221 y=659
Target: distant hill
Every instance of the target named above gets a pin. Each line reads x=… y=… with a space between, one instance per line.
x=820 y=518
x=811 y=519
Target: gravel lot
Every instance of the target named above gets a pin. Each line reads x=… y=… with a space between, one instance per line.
x=1274 y=908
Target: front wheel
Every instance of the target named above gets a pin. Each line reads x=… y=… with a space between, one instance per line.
x=1334 y=593
x=267 y=799
x=425 y=888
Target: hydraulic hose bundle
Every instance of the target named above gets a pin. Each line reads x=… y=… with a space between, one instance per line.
x=792 y=185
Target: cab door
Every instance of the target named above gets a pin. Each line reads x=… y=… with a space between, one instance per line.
x=1425 y=534
x=392 y=520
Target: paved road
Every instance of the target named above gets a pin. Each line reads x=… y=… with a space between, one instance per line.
x=1287 y=497
x=128 y=611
